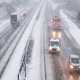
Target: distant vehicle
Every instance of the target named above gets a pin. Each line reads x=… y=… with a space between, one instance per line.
x=56 y=23
x=74 y=63
x=18 y=17
x=14 y=20
x=54 y=46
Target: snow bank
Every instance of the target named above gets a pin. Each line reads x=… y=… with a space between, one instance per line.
x=4 y=25
x=71 y=14
x=71 y=27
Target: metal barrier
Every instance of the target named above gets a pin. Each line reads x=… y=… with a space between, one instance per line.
x=25 y=59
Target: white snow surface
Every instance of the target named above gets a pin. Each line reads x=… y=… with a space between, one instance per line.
x=54 y=5
x=71 y=27
x=35 y=73
x=4 y=24
x=72 y=13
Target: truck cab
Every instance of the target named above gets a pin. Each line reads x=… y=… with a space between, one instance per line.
x=54 y=46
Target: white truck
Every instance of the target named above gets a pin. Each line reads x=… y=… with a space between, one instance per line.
x=54 y=46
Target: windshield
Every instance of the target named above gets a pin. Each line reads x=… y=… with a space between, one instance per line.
x=54 y=43
x=75 y=60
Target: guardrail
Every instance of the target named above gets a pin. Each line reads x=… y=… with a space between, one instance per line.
x=25 y=59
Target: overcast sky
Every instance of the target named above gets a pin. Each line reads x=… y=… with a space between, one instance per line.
x=8 y=1
x=13 y=0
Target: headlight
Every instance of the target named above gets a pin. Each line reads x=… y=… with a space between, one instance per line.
x=50 y=48
x=71 y=66
x=58 y=49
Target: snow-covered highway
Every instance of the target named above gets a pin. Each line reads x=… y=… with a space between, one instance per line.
x=24 y=50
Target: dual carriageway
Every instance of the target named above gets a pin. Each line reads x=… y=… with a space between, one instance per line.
x=24 y=52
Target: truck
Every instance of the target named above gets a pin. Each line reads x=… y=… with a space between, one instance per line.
x=56 y=28
x=54 y=46
x=14 y=20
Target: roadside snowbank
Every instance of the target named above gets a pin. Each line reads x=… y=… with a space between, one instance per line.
x=71 y=28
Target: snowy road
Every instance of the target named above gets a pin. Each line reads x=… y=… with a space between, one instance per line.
x=7 y=51
x=60 y=66
x=32 y=38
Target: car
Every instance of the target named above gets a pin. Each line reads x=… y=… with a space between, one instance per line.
x=54 y=46
x=74 y=63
